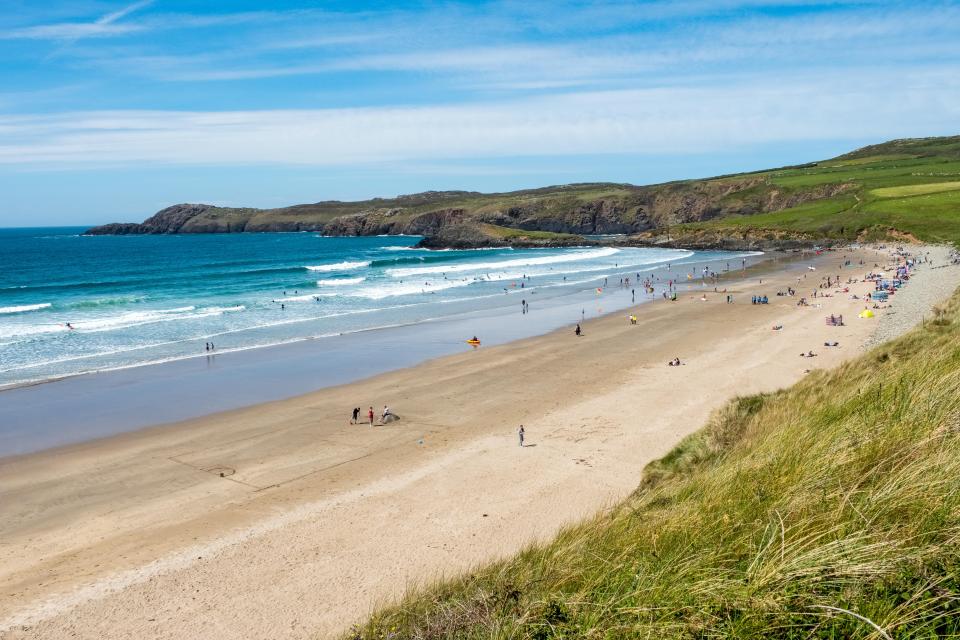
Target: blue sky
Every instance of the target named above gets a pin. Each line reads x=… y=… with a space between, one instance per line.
x=111 y=110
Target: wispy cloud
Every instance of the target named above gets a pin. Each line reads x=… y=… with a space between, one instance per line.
x=69 y=32
x=489 y=56
x=663 y=120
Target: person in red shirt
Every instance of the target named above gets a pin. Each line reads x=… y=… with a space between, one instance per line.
x=370 y=415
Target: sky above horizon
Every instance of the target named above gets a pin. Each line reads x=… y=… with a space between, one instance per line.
x=111 y=110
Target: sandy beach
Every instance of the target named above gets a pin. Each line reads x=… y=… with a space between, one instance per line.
x=285 y=521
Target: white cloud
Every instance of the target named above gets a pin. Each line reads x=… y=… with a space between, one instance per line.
x=69 y=32
x=653 y=121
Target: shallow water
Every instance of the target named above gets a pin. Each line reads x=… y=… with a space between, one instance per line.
x=71 y=304
x=375 y=303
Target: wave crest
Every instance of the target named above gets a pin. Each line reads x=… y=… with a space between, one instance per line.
x=25 y=307
x=338 y=266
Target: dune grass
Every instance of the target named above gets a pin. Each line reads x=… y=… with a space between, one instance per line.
x=828 y=510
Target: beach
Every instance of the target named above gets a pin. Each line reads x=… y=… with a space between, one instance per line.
x=283 y=520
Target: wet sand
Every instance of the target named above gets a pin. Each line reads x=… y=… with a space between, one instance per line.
x=314 y=520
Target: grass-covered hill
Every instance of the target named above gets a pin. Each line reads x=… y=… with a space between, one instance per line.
x=828 y=510
x=903 y=187
x=900 y=188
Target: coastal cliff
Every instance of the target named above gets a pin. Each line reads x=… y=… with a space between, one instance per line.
x=864 y=194
x=577 y=210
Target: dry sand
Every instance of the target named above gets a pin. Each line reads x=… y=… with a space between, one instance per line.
x=316 y=521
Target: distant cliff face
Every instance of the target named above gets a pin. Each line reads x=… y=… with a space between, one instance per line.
x=170 y=220
x=574 y=209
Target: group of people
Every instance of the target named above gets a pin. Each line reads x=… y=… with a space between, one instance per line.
x=759 y=300
x=674 y=363
x=355 y=417
x=210 y=346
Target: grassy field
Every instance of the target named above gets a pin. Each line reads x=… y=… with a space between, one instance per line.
x=906 y=187
x=507 y=233
x=914 y=189
x=828 y=510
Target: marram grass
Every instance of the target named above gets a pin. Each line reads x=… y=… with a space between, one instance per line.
x=828 y=510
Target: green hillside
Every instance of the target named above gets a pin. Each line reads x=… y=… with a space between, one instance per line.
x=899 y=188
x=828 y=510
x=903 y=187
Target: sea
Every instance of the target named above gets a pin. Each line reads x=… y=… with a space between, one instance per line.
x=72 y=304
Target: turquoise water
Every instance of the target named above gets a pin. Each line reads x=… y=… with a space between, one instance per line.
x=71 y=304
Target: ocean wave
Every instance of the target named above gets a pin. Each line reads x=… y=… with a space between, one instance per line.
x=339 y=266
x=113 y=323
x=306 y=298
x=25 y=307
x=573 y=256
x=103 y=302
x=339 y=282
x=395 y=289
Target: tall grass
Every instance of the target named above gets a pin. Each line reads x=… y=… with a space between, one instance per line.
x=829 y=510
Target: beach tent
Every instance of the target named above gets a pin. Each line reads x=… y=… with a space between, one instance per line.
x=866 y=313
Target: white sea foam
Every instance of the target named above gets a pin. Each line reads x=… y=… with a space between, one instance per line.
x=308 y=297
x=120 y=321
x=573 y=256
x=339 y=282
x=339 y=266
x=25 y=307
x=394 y=289
x=414 y=248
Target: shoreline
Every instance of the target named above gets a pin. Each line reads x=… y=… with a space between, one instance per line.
x=227 y=379
x=333 y=519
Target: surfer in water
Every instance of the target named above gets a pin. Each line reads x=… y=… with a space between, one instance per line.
x=69 y=326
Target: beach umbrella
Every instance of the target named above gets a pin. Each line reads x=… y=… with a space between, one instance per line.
x=866 y=313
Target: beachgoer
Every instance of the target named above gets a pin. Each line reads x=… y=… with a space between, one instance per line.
x=370 y=416
x=356 y=415
x=386 y=412
x=520 y=433
x=578 y=329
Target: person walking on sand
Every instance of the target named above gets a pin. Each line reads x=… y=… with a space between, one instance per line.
x=356 y=415
x=578 y=330
x=370 y=416
x=520 y=433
